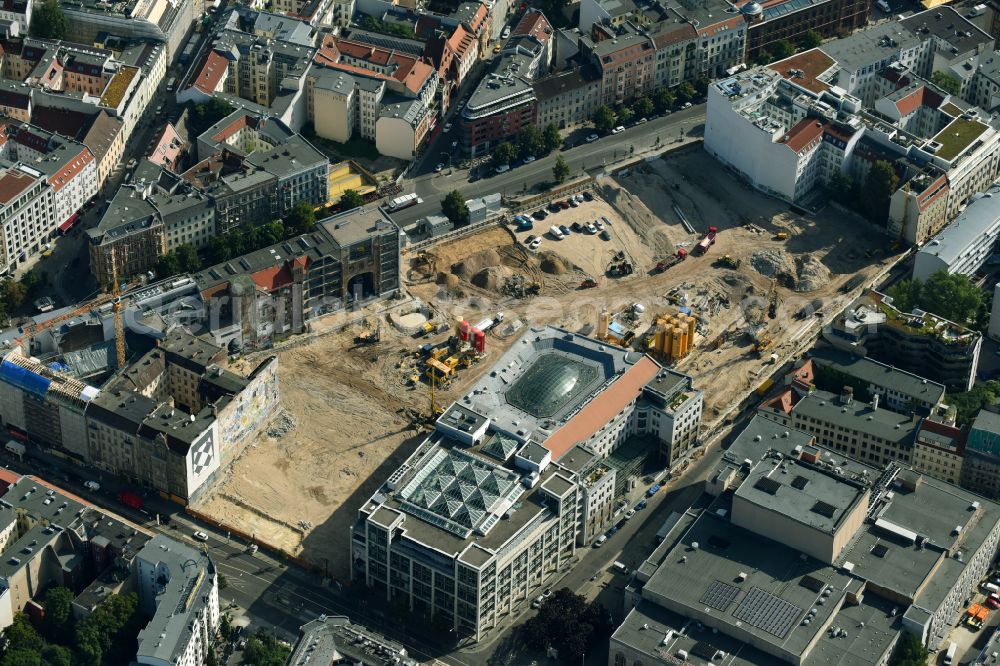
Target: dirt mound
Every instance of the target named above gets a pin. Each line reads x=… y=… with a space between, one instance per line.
x=813 y=274
x=448 y=280
x=474 y=264
x=552 y=264
x=491 y=278
x=773 y=263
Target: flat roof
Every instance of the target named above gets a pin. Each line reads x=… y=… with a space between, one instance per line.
x=880 y=374
x=958 y=136
x=979 y=220
x=858 y=416
x=357 y=225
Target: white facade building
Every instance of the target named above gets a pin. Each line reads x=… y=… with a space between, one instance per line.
x=967 y=243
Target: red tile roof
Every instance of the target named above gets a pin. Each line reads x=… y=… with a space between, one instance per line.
x=805 y=132
x=922 y=96
x=535 y=24
x=212 y=69
x=782 y=402
x=12 y=183
x=804 y=68
x=603 y=408
x=957 y=434
x=273 y=278
x=76 y=166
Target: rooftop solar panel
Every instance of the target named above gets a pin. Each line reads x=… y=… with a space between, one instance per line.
x=720 y=595
x=767 y=612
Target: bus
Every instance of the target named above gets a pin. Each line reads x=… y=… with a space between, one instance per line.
x=405 y=201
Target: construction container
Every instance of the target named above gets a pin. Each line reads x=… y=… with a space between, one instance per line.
x=478 y=341
x=463 y=330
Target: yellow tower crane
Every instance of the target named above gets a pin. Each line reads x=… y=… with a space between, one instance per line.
x=119 y=324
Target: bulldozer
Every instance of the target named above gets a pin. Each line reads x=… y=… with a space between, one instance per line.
x=729 y=261
x=781 y=235
x=369 y=337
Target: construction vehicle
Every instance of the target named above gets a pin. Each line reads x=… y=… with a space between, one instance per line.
x=729 y=261
x=369 y=337
x=588 y=283
x=708 y=241
x=772 y=299
x=781 y=235
x=619 y=265
x=672 y=261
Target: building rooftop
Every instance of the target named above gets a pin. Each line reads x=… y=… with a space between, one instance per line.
x=858 y=416
x=354 y=226
x=330 y=640
x=958 y=137
x=880 y=374
x=948 y=26
x=981 y=218
x=875 y=44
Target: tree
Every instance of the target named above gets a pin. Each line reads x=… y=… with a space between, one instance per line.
x=350 y=200
x=263 y=649
x=969 y=403
x=685 y=93
x=21 y=635
x=48 y=21
x=842 y=189
x=951 y=296
x=604 y=119
x=551 y=139
x=167 y=265
x=909 y=652
x=205 y=115
x=455 y=209
x=782 y=49
x=223 y=582
x=701 y=85
x=567 y=622
x=187 y=258
x=531 y=143
x=301 y=219
x=946 y=82
x=643 y=106
x=505 y=153
x=56 y=655
x=663 y=99
x=560 y=170
x=624 y=115
x=59 y=621
x=810 y=39
x=905 y=294
x=879 y=186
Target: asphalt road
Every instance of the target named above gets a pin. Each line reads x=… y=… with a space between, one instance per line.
x=586 y=157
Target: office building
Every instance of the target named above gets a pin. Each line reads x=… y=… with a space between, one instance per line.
x=334 y=639
x=981 y=468
x=939 y=450
x=965 y=245
x=161 y=21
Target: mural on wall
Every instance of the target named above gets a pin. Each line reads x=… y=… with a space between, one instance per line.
x=250 y=409
x=203 y=455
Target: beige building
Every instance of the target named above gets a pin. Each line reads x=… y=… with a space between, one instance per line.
x=939 y=450
x=334 y=94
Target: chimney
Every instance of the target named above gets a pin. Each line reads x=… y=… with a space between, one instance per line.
x=847 y=395
x=875 y=402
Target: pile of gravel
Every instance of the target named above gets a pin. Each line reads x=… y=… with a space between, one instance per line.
x=280 y=425
x=813 y=274
x=771 y=263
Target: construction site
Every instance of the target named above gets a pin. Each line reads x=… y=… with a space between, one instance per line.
x=702 y=273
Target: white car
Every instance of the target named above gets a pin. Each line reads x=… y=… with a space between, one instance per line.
x=687 y=105
x=535 y=244
x=592 y=138
x=447 y=128
x=503 y=168
x=599 y=225
x=618 y=130
x=93 y=486
x=439 y=167
x=200 y=536
x=529 y=159
x=591 y=229
x=629 y=513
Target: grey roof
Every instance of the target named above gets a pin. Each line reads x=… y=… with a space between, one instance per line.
x=185 y=592
x=284 y=28
x=987 y=421
x=871 y=45
x=857 y=416
x=410 y=110
x=598 y=363
x=508 y=81
x=879 y=374
x=949 y=26
x=353 y=226
x=980 y=219
x=329 y=640
x=554 y=85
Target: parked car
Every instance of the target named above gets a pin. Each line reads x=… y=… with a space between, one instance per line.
x=565 y=230
x=618 y=130
x=587 y=196
x=687 y=105
x=556 y=232
x=576 y=227
x=641 y=505
x=447 y=128
x=605 y=235
x=564 y=204
x=200 y=536
x=529 y=159
x=535 y=244
x=599 y=225
x=629 y=513
x=92 y=486
x=592 y=138
x=438 y=168
x=540 y=214
x=503 y=168
x=573 y=203
x=613 y=531
x=591 y=229
x=600 y=541
x=528 y=239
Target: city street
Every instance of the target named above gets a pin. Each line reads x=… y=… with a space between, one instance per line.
x=593 y=157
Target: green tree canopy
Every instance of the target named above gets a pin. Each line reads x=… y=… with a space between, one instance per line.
x=48 y=20
x=625 y=115
x=951 y=296
x=454 y=208
x=782 y=49
x=968 y=403
x=203 y=116
x=604 y=119
x=684 y=93
x=810 y=39
x=905 y=294
x=663 y=99
x=531 y=143
x=643 y=106
x=59 y=621
x=301 y=219
x=505 y=153
x=879 y=186
x=350 y=200
x=909 y=652
x=567 y=622
x=551 y=139
x=946 y=82
x=262 y=649
x=560 y=170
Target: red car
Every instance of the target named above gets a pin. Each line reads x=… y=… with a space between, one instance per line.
x=992 y=601
x=564 y=204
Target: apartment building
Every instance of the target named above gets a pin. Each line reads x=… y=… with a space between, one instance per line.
x=981 y=468
x=670 y=408
x=27 y=211
x=626 y=60
x=17 y=12
x=269 y=294
x=500 y=107
x=939 y=450
x=174 y=418
x=918 y=342
x=68 y=165
x=965 y=245
x=847 y=546
x=152 y=20
x=568 y=98
x=790 y=20
x=178 y=589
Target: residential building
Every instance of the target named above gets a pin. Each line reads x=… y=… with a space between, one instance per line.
x=153 y=20
x=671 y=408
x=865 y=553
x=178 y=589
x=918 y=342
x=790 y=20
x=175 y=417
x=269 y=294
x=16 y=12
x=898 y=390
x=965 y=245
x=500 y=107
x=853 y=428
x=568 y=98
x=981 y=468
x=626 y=62
x=27 y=211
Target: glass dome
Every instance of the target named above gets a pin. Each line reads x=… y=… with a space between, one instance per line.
x=549 y=384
